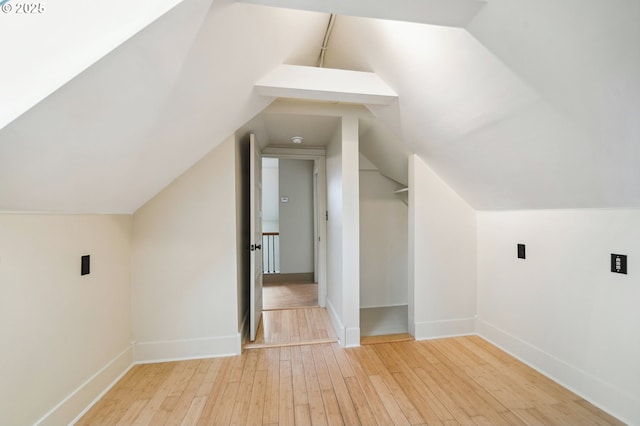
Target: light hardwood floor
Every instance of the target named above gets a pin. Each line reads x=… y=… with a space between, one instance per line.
x=288 y=327
x=462 y=380
x=285 y=296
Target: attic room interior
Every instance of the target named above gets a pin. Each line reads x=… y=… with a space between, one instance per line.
x=478 y=162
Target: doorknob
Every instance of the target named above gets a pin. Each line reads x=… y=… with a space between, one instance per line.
x=258 y=246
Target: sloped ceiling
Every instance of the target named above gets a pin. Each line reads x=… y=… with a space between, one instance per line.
x=45 y=49
x=114 y=136
x=533 y=105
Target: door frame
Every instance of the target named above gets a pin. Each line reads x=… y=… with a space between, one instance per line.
x=318 y=155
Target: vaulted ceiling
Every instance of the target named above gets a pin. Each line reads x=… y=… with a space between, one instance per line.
x=515 y=103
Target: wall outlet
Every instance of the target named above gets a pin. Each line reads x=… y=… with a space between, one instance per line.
x=619 y=263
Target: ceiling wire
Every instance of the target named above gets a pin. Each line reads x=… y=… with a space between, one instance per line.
x=325 y=42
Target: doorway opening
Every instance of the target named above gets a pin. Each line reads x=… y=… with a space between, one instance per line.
x=289 y=232
x=293 y=184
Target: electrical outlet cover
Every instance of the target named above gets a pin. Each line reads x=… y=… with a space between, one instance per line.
x=619 y=263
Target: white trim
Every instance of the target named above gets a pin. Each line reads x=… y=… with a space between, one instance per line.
x=608 y=397
x=186 y=349
x=299 y=153
x=89 y=392
x=444 y=328
x=337 y=324
x=384 y=306
x=352 y=337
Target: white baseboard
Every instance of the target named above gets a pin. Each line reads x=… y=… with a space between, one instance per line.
x=608 y=397
x=74 y=406
x=180 y=350
x=446 y=328
x=352 y=337
x=337 y=324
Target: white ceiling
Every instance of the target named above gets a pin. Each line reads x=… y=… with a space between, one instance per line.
x=455 y=13
x=45 y=51
x=317 y=131
x=114 y=136
x=533 y=105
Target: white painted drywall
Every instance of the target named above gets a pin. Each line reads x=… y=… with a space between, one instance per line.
x=270 y=195
x=442 y=256
x=59 y=328
x=383 y=242
x=106 y=142
x=351 y=229
x=343 y=231
x=46 y=52
x=296 y=216
x=270 y=214
x=325 y=84
x=334 y=233
x=433 y=12
x=561 y=309
x=184 y=264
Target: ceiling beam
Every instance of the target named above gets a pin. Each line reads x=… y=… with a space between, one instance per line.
x=450 y=13
x=325 y=84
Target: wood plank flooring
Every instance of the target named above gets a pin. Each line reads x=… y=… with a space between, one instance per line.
x=289 y=327
x=456 y=381
x=386 y=338
x=286 y=296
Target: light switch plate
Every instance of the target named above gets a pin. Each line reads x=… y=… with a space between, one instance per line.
x=85 y=265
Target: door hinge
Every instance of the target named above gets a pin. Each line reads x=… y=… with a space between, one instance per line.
x=326 y=215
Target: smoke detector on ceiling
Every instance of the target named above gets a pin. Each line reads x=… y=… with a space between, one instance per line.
x=297 y=139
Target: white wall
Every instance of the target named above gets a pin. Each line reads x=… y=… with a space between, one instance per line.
x=65 y=337
x=271 y=214
x=383 y=242
x=184 y=264
x=442 y=257
x=296 y=216
x=334 y=233
x=561 y=309
x=270 y=195
x=343 y=232
x=351 y=229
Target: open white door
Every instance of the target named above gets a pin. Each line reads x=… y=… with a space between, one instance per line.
x=255 y=303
